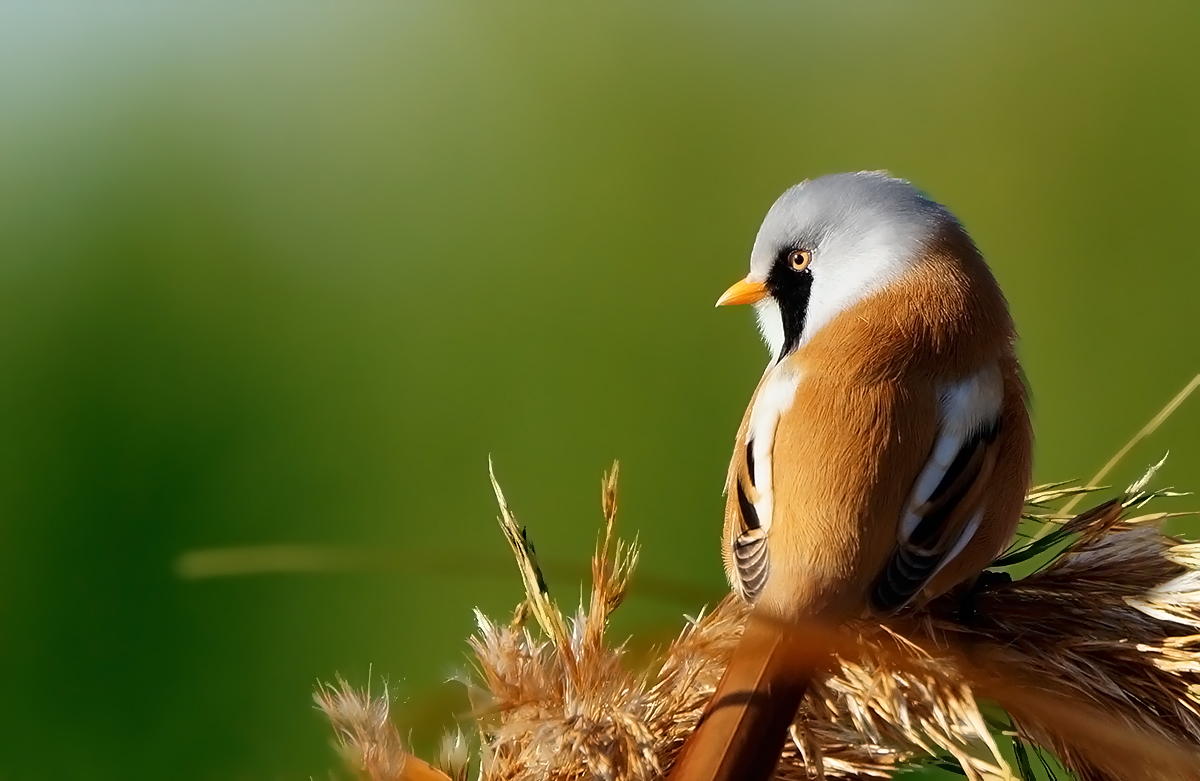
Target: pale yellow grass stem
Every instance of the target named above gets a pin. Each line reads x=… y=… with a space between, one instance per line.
x=1146 y=431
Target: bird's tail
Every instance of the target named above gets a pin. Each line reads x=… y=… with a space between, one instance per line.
x=745 y=726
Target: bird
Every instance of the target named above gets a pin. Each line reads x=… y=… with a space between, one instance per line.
x=885 y=455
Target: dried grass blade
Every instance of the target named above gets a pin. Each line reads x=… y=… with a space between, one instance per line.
x=1146 y=431
x=537 y=593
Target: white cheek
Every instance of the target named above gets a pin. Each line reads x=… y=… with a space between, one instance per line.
x=834 y=291
x=770 y=324
x=862 y=266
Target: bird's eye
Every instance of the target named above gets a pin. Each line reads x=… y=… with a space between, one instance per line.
x=799 y=259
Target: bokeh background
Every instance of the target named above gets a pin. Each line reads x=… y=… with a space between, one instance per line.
x=288 y=272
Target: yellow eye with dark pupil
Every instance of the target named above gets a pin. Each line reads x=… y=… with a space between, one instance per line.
x=799 y=259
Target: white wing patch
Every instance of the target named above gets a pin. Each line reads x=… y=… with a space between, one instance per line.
x=967 y=533
x=776 y=397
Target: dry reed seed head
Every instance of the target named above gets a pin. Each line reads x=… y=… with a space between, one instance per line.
x=608 y=495
x=368 y=741
x=1106 y=630
x=454 y=755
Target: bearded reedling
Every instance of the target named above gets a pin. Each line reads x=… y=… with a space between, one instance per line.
x=885 y=455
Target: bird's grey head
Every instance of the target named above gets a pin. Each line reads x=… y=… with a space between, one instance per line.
x=828 y=243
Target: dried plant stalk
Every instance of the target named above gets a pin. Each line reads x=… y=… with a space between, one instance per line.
x=1095 y=656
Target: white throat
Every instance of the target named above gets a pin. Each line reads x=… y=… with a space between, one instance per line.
x=770 y=325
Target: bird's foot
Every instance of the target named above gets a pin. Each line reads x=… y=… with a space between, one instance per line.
x=968 y=609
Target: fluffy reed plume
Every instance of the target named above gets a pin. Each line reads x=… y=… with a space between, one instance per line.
x=369 y=742
x=1094 y=656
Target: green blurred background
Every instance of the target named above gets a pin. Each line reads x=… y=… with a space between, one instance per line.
x=289 y=272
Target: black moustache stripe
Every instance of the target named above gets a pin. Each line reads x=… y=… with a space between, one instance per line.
x=791 y=290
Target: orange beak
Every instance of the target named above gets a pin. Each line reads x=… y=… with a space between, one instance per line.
x=744 y=292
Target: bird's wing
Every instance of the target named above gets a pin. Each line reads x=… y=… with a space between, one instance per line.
x=748 y=543
x=748 y=509
x=745 y=543
x=946 y=505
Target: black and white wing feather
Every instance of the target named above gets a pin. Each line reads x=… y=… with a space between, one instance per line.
x=946 y=507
